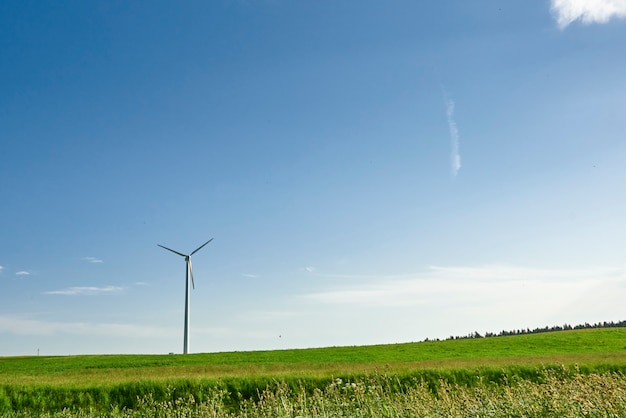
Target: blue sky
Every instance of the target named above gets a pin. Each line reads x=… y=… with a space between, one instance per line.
x=371 y=172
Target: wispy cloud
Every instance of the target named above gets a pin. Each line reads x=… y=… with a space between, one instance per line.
x=587 y=11
x=455 y=156
x=92 y=260
x=86 y=290
x=269 y=316
x=27 y=326
x=441 y=301
x=1 y=268
x=483 y=285
x=310 y=269
x=22 y=273
x=250 y=276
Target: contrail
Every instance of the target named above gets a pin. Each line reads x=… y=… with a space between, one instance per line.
x=455 y=156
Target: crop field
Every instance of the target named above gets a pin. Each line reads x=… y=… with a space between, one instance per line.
x=565 y=373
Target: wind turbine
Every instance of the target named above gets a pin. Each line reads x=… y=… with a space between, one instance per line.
x=188 y=274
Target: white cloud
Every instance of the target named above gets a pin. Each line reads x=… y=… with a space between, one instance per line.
x=455 y=156
x=92 y=260
x=86 y=290
x=22 y=273
x=484 y=287
x=250 y=276
x=1 y=268
x=223 y=333
x=443 y=301
x=25 y=326
x=587 y=11
x=310 y=269
x=269 y=316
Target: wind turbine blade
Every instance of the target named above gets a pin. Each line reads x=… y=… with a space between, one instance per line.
x=169 y=249
x=193 y=285
x=198 y=249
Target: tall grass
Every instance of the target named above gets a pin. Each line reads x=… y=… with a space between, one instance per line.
x=557 y=393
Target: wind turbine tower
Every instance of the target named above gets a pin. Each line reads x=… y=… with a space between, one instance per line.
x=188 y=275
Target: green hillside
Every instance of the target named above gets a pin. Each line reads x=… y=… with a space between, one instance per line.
x=591 y=346
x=107 y=383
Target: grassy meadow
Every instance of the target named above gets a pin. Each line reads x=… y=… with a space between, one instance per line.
x=528 y=372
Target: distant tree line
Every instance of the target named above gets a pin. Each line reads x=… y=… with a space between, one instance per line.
x=565 y=327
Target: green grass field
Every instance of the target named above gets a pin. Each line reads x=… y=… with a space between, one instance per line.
x=100 y=383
